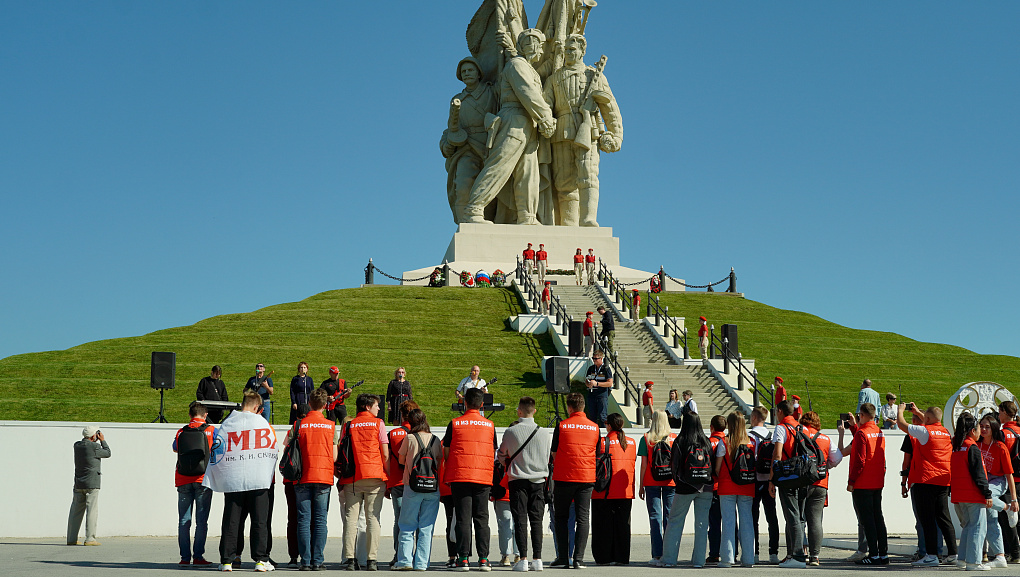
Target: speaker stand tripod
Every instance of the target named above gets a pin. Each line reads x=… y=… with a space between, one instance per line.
x=160 y=418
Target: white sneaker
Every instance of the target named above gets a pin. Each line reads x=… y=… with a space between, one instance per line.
x=857 y=556
x=774 y=559
x=950 y=559
x=226 y=567
x=978 y=567
x=961 y=564
x=1012 y=516
x=264 y=566
x=536 y=564
x=999 y=561
x=926 y=561
x=655 y=563
x=792 y=563
x=521 y=565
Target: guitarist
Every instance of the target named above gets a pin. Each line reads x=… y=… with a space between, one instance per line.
x=337 y=391
x=263 y=385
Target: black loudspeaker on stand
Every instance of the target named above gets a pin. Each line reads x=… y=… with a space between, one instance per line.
x=557 y=380
x=161 y=376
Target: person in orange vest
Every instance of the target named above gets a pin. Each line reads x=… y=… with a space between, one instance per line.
x=529 y=260
x=542 y=262
x=734 y=500
x=929 y=478
x=818 y=493
x=970 y=491
x=470 y=451
x=318 y=453
x=395 y=478
x=589 y=265
x=789 y=499
x=717 y=425
x=610 y=511
x=635 y=309
x=546 y=298
x=578 y=266
x=192 y=494
x=1011 y=432
x=368 y=485
x=573 y=454
x=866 y=480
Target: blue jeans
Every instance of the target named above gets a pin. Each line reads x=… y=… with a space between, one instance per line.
x=999 y=488
x=675 y=527
x=396 y=500
x=732 y=507
x=658 y=500
x=312 y=507
x=267 y=410
x=201 y=497
x=599 y=402
x=418 y=513
x=972 y=537
x=505 y=528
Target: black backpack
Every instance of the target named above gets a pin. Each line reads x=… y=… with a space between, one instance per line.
x=290 y=462
x=743 y=471
x=603 y=466
x=424 y=474
x=192 y=451
x=691 y=466
x=661 y=467
x=805 y=467
x=764 y=453
x=345 y=466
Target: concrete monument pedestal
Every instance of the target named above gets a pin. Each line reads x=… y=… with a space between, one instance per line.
x=489 y=247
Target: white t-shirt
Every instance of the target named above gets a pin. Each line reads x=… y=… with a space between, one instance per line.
x=889 y=412
x=467 y=383
x=918 y=432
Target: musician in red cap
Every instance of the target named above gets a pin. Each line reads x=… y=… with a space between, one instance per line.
x=529 y=260
x=780 y=394
x=635 y=310
x=546 y=296
x=337 y=391
x=578 y=266
x=703 y=337
x=588 y=331
x=541 y=259
x=589 y=265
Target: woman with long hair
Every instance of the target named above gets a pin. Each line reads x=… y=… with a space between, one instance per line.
x=658 y=495
x=418 y=511
x=969 y=492
x=996 y=458
x=735 y=499
x=610 y=511
x=398 y=391
x=674 y=409
x=690 y=443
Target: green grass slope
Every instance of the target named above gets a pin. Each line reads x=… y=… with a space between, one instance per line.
x=835 y=359
x=437 y=334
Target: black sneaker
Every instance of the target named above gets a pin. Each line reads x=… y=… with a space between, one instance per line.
x=306 y=568
x=867 y=561
x=371 y=565
x=714 y=559
x=559 y=563
x=451 y=563
x=578 y=565
x=483 y=565
x=350 y=565
x=883 y=561
x=463 y=565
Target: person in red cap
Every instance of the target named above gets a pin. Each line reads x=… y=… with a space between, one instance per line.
x=546 y=296
x=647 y=408
x=578 y=266
x=703 y=337
x=798 y=412
x=589 y=265
x=541 y=259
x=334 y=387
x=588 y=330
x=780 y=394
x=529 y=260
x=635 y=310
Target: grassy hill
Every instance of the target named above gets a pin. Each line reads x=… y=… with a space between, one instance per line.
x=437 y=334
x=835 y=359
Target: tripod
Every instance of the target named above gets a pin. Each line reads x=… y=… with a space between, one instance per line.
x=160 y=418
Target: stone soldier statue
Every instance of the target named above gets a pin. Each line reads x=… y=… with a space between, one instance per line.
x=513 y=137
x=580 y=134
x=492 y=35
x=463 y=142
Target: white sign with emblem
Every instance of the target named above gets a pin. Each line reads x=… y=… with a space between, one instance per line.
x=978 y=398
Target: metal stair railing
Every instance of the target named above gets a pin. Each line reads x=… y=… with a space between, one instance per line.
x=621 y=376
x=762 y=394
x=669 y=324
x=555 y=307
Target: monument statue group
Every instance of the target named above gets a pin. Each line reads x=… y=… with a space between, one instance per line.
x=524 y=136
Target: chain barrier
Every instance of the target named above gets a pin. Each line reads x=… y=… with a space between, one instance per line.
x=389 y=276
x=696 y=286
x=638 y=282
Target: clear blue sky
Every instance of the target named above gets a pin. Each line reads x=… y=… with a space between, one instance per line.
x=161 y=163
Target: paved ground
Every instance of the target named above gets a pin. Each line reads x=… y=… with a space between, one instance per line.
x=158 y=555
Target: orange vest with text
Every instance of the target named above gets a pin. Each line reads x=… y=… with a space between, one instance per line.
x=367 y=450
x=963 y=488
x=472 y=449
x=315 y=438
x=930 y=464
x=575 y=449
x=621 y=486
x=397 y=436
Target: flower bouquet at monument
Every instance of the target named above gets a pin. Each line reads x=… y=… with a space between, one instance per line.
x=498 y=278
x=482 y=279
x=467 y=280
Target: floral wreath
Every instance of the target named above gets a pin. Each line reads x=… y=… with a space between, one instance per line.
x=482 y=279
x=498 y=278
x=466 y=280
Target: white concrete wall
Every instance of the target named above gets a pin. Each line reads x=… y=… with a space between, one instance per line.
x=138 y=496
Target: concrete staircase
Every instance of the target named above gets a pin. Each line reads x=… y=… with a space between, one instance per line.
x=644 y=356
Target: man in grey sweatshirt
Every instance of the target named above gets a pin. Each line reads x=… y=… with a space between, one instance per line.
x=525 y=452
x=87 y=454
